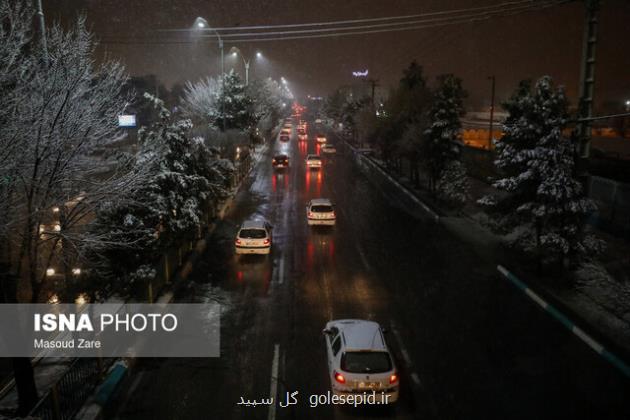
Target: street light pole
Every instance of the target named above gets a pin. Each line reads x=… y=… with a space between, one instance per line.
x=236 y=51
x=42 y=29
x=201 y=23
x=493 y=79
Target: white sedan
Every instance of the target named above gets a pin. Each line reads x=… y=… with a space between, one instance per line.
x=254 y=237
x=320 y=211
x=359 y=360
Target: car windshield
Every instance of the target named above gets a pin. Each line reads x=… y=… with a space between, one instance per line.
x=321 y=209
x=277 y=158
x=366 y=362
x=252 y=233
x=314 y=158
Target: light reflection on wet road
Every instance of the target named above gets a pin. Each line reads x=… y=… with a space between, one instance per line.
x=468 y=346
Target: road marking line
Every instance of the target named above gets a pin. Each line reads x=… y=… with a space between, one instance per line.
x=281 y=277
x=403 y=350
x=416 y=378
x=363 y=258
x=273 y=391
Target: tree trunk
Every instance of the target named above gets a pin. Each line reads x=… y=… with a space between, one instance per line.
x=539 y=266
x=25 y=383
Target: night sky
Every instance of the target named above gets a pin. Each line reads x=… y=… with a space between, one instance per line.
x=514 y=47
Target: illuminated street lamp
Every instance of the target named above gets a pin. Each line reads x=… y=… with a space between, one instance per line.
x=202 y=25
x=236 y=52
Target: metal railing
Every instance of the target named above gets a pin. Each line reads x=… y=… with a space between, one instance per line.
x=66 y=397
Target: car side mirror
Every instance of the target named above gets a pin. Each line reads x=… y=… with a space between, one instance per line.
x=384 y=330
x=326 y=331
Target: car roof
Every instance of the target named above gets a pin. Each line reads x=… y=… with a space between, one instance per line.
x=321 y=202
x=360 y=334
x=281 y=155
x=253 y=224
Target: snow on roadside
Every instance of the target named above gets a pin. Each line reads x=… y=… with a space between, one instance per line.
x=594 y=281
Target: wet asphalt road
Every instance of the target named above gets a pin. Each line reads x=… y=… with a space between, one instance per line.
x=468 y=344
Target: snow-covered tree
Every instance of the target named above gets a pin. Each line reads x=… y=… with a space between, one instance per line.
x=60 y=169
x=186 y=179
x=453 y=185
x=200 y=100
x=58 y=115
x=546 y=205
x=267 y=97
x=442 y=143
x=220 y=102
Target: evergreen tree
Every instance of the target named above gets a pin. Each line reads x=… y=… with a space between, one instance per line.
x=546 y=205
x=234 y=107
x=186 y=179
x=442 y=142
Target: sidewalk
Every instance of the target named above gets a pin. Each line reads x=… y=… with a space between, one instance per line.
x=49 y=371
x=599 y=294
x=122 y=369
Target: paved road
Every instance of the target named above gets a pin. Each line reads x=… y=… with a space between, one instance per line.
x=468 y=344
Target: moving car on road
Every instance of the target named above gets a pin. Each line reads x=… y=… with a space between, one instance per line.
x=329 y=148
x=320 y=211
x=280 y=161
x=321 y=138
x=359 y=360
x=313 y=161
x=254 y=237
x=285 y=137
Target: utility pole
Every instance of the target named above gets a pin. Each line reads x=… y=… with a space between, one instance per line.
x=493 y=79
x=587 y=79
x=42 y=30
x=373 y=83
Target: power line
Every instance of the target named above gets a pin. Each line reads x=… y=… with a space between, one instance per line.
x=389 y=24
x=353 y=21
x=352 y=30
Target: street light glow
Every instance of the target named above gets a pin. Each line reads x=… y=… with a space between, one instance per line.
x=201 y=23
x=234 y=54
x=258 y=54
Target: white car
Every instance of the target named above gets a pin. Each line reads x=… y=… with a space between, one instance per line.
x=320 y=211
x=329 y=148
x=359 y=360
x=318 y=121
x=313 y=161
x=321 y=138
x=254 y=237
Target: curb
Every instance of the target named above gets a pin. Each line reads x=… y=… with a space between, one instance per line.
x=566 y=322
x=404 y=189
x=123 y=368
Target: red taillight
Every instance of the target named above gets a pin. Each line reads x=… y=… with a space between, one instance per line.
x=266 y=242
x=333 y=214
x=339 y=377
x=238 y=242
x=393 y=378
x=310 y=214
